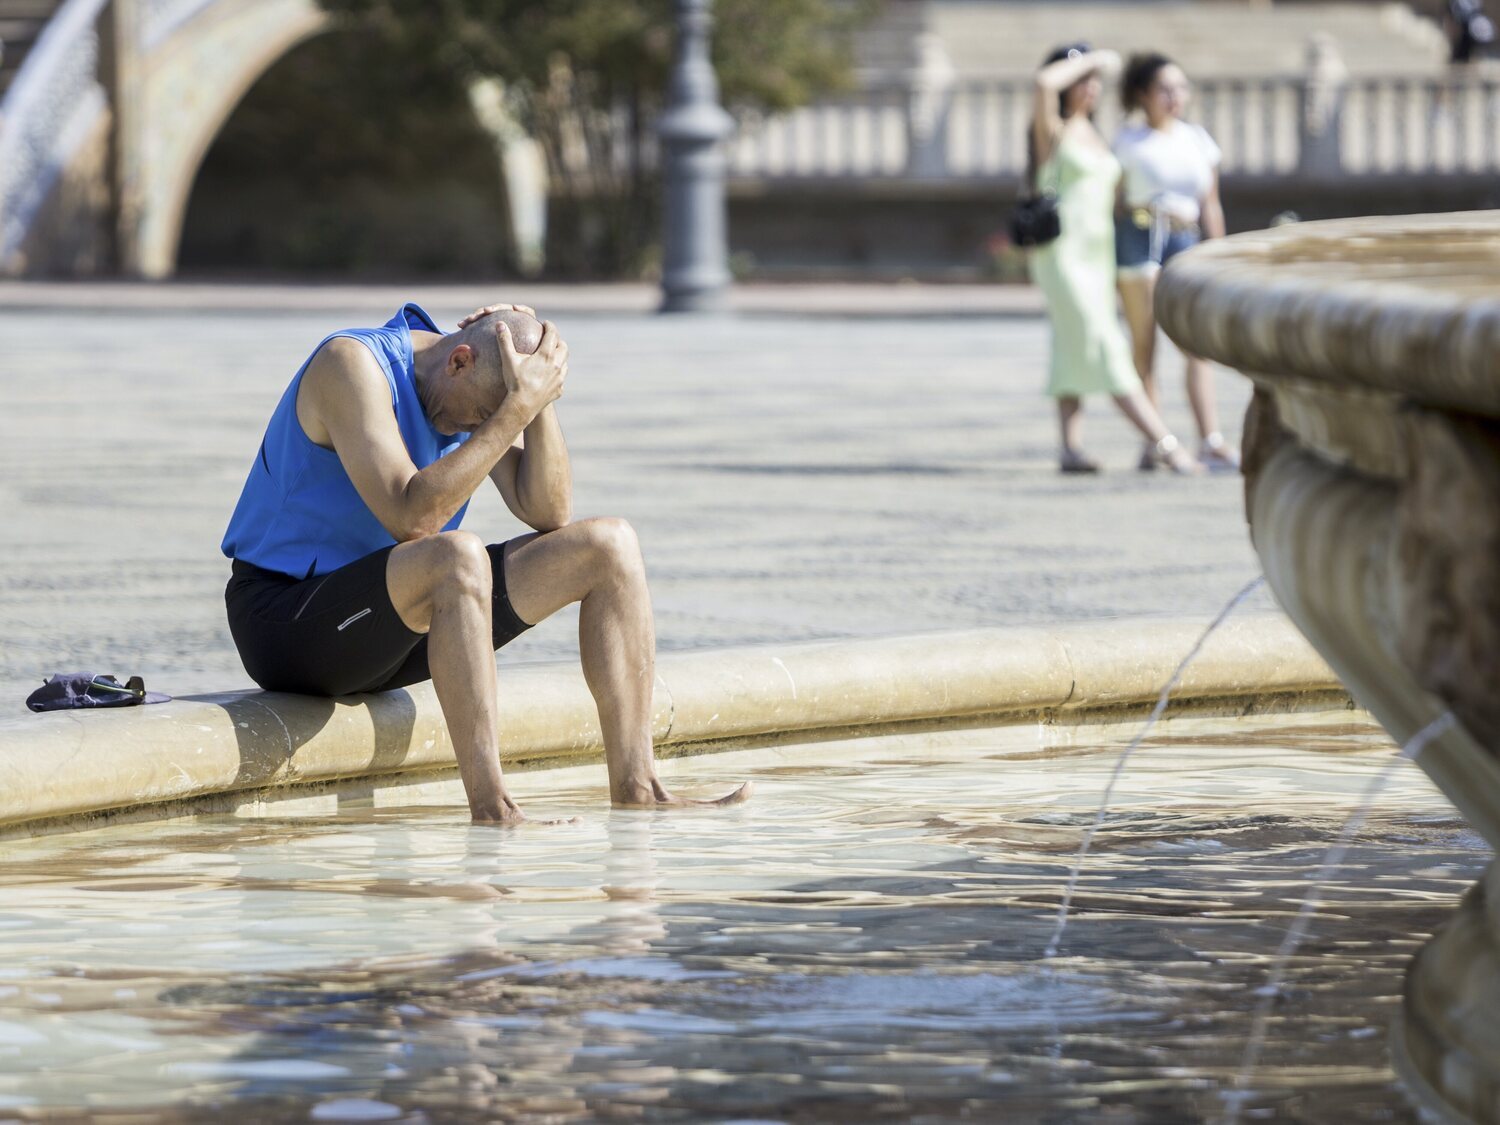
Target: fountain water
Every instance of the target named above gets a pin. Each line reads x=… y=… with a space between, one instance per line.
x=1372 y=471
x=1297 y=931
x=1054 y=943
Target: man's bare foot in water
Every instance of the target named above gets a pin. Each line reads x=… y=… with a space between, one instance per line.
x=509 y=820
x=643 y=795
x=518 y=819
x=508 y=814
x=654 y=795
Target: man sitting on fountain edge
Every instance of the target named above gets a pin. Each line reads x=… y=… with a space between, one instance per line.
x=350 y=574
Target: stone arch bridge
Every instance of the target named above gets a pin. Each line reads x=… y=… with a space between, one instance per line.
x=105 y=121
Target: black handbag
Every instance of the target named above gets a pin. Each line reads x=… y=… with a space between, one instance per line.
x=1035 y=221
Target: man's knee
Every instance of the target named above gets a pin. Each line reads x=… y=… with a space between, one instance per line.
x=615 y=543
x=459 y=564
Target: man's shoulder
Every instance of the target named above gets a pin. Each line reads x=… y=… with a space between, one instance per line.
x=344 y=358
x=345 y=374
x=346 y=348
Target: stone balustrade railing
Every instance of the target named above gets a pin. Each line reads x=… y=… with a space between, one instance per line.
x=1271 y=126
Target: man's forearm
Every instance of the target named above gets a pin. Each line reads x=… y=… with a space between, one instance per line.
x=544 y=477
x=435 y=493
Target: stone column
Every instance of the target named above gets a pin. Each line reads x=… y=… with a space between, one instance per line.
x=523 y=171
x=1321 y=126
x=929 y=103
x=120 y=74
x=695 y=250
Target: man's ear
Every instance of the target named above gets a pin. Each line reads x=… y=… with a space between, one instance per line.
x=461 y=362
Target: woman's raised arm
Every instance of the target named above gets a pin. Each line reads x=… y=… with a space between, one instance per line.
x=1051 y=81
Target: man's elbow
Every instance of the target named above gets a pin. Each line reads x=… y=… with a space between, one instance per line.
x=554 y=519
x=414 y=515
x=416 y=527
x=554 y=524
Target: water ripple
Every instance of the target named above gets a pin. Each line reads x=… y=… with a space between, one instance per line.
x=862 y=942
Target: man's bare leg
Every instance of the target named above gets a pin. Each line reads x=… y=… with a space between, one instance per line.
x=441 y=586
x=598 y=563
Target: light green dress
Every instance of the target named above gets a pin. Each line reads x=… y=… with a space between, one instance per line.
x=1076 y=273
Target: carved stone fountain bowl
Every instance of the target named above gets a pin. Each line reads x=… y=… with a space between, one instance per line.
x=1372 y=491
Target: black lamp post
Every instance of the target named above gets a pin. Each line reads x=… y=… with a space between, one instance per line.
x=695 y=255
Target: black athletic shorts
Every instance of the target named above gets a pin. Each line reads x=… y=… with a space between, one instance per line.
x=338 y=633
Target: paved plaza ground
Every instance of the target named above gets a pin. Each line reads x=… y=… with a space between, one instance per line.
x=791 y=474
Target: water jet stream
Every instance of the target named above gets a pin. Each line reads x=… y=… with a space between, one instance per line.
x=1054 y=943
x=1332 y=861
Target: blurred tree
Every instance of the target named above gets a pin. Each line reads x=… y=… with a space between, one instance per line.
x=338 y=164
x=586 y=78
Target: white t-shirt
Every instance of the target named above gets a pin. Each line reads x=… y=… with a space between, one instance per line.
x=1172 y=168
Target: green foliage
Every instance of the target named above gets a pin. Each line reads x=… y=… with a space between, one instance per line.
x=780 y=54
x=338 y=164
x=770 y=54
x=586 y=77
x=337 y=104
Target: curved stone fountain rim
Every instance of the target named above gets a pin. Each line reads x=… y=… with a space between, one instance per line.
x=69 y=770
x=1337 y=302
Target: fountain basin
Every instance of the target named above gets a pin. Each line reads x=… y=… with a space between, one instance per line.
x=259 y=751
x=861 y=942
x=1372 y=491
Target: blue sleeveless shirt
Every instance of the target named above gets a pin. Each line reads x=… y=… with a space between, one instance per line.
x=299 y=513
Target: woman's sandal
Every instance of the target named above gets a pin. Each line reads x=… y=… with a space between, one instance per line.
x=1077 y=463
x=1217 y=455
x=1149 y=462
x=1169 y=452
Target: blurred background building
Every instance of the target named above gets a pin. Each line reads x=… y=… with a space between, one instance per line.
x=366 y=138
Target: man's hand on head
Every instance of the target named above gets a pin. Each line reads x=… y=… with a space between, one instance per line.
x=535 y=380
x=481 y=313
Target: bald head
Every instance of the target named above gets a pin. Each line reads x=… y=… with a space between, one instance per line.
x=525 y=337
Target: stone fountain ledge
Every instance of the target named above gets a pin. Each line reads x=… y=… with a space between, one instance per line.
x=1372 y=456
x=1372 y=489
x=72 y=770
x=1409 y=307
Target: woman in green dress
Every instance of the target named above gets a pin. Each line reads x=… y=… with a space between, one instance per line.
x=1076 y=271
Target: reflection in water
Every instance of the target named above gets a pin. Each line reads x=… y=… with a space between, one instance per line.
x=1297 y=931
x=1054 y=942
x=860 y=943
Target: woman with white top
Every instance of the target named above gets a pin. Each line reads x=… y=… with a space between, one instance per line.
x=1169 y=202
x=1076 y=271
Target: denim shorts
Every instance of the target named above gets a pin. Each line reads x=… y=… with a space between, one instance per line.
x=1142 y=250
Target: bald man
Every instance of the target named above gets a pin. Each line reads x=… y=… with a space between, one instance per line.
x=350 y=573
